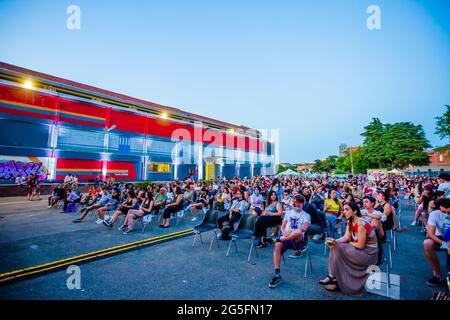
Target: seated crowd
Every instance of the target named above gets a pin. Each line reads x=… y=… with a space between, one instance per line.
x=353 y=216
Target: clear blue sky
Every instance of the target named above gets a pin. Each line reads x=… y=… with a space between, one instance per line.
x=309 y=68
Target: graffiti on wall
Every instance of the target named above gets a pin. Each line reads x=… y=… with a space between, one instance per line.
x=10 y=169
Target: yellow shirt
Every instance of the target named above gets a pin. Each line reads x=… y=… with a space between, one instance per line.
x=333 y=206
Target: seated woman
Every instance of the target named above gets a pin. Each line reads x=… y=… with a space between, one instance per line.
x=332 y=209
x=111 y=205
x=58 y=194
x=385 y=207
x=238 y=207
x=201 y=202
x=271 y=217
x=128 y=204
x=145 y=208
x=173 y=207
x=371 y=215
x=352 y=254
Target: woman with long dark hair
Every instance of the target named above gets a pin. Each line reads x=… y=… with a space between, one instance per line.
x=332 y=209
x=271 y=217
x=145 y=208
x=173 y=207
x=351 y=255
x=128 y=204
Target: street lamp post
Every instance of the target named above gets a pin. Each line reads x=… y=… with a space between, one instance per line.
x=351 y=160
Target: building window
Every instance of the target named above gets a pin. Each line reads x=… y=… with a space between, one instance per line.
x=160 y=167
x=441 y=157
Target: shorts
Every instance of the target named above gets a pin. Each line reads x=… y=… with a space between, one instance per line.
x=109 y=208
x=291 y=244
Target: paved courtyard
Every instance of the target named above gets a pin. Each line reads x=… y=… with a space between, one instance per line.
x=31 y=234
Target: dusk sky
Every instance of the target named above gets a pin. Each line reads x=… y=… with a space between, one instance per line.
x=311 y=69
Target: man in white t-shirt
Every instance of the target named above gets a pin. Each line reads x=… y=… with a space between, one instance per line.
x=438 y=224
x=444 y=184
x=295 y=223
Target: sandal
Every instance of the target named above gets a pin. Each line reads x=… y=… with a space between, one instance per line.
x=328 y=280
x=332 y=287
x=261 y=245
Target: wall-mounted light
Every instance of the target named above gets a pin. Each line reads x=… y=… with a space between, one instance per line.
x=111 y=128
x=164 y=115
x=28 y=84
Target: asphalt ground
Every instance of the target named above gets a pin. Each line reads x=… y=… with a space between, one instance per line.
x=31 y=234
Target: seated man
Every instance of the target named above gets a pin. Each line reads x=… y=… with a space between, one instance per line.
x=160 y=200
x=105 y=198
x=438 y=224
x=72 y=197
x=316 y=228
x=111 y=205
x=295 y=224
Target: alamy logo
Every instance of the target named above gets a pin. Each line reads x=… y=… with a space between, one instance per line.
x=74 y=280
x=374 y=280
x=73 y=22
x=374 y=20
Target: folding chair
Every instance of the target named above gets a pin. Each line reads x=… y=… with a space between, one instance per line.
x=305 y=250
x=209 y=223
x=244 y=230
x=383 y=260
x=145 y=221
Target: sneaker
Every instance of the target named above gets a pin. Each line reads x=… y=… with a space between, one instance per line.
x=276 y=280
x=397 y=229
x=296 y=254
x=107 y=223
x=434 y=282
x=194 y=219
x=99 y=221
x=107 y=217
x=219 y=236
x=413 y=223
x=77 y=221
x=127 y=231
x=49 y=207
x=121 y=228
x=317 y=237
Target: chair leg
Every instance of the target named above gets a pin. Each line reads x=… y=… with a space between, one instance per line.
x=229 y=247
x=284 y=260
x=214 y=237
x=201 y=239
x=390 y=254
x=309 y=258
x=388 y=277
x=250 y=252
x=235 y=245
x=195 y=238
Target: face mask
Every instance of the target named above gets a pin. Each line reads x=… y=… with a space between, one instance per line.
x=296 y=208
x=256 y=192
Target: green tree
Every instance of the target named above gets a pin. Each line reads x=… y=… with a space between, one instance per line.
x=360 y=162
x=374 y=141
x=405 y=144
x=443 y=125
x=328 y=165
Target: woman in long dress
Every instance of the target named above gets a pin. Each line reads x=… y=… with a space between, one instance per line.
x=352 y=254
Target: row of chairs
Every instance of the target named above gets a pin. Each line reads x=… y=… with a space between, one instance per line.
x=243 y=229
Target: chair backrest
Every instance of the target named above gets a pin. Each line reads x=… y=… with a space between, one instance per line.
x=247 y=222
x=380 y=247
x=210 y=217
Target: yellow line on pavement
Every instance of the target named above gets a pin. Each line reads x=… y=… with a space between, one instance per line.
x=91 y=255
